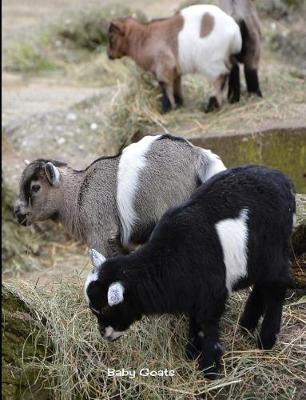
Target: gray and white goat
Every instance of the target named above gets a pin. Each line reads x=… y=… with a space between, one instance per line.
x=114 y=204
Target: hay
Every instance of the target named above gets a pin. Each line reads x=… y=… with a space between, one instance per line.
x=78 y=367
x=136 y=109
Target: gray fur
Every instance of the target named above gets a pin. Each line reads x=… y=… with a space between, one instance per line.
x=245 y=10
x=85 y=201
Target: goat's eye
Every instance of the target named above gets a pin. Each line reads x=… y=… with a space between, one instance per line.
x=35 y=188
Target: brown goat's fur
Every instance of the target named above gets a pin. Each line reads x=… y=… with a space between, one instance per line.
x=208 y=22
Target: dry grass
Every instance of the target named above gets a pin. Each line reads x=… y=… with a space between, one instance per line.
x=136 y=106
x=78 y=367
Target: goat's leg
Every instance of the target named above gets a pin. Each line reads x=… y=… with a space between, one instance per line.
x=252 y=82
x=211 y=348
x=253 y=310
x=168 y=101
x=233 y=94
x=193 y=347
x=274 y=296
x=178 y=91
x=216 y=101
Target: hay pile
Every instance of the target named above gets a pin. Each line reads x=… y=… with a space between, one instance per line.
x=77 y=367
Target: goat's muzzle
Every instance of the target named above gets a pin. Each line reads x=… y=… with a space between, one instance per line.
x=20 y=216
x=109 y=54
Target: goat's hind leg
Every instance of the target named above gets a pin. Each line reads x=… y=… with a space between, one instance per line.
x=233 y=94
x=274 y=297
x=253 y=309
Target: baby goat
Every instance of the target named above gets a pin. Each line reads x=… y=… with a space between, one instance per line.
x=200 y=38
x=232 y=233
x=114 y=204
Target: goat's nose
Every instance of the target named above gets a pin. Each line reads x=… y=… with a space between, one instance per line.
x=21 y=218
x=109 y=54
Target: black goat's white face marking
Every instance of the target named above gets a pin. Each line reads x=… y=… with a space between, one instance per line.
x=111 y=334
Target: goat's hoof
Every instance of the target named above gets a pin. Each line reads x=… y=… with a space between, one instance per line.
x=192 y=351
x=266 y=342
x=247 y=325
x=179 y=101
x=211 y=371
x=212 y=105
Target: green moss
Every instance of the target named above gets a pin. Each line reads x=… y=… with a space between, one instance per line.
x=285 y=150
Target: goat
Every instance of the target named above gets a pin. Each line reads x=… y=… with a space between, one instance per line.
x=115 y=202
x=232 y=233
x=199 y=38
x=245 y=14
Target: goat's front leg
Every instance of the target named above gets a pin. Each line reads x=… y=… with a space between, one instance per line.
x=178 y=91
x=220 y=85
x=193 y=347
x=168 y=100
x=211 y=349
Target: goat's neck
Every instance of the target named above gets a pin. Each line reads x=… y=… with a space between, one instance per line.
x=137 y=43
x=69 y=215
x=152 y=284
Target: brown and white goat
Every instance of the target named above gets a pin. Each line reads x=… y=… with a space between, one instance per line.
x=245 y=14
x=198 y=39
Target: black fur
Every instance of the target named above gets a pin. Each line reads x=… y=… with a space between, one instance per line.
x=212 y=104
x=234 y=85
x=166 y=105
x=251 y=77
x=181 y=268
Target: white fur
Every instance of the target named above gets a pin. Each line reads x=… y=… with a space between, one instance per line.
x=214 y=165
x=207 y=55
x=97 y=261
x=56 y=174
x=110 y=334
x=233 y=236
x=115 y=294
x=132 y=161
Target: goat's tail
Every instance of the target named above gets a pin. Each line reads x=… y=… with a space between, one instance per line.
x=208 y=165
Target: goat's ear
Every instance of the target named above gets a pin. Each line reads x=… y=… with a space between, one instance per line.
x=97 y=259
x=115 y=294
x=53 y=174
x=117 y=27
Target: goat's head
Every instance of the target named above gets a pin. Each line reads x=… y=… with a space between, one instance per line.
x=117 y=38
x=109 y=297
x=39 y=192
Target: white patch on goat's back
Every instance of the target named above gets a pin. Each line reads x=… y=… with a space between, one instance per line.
x=210 y=54
x=132 y=161
x=233 y=236
x=212 y=165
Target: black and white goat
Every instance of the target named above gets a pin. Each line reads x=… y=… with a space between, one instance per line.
x=232 y=233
